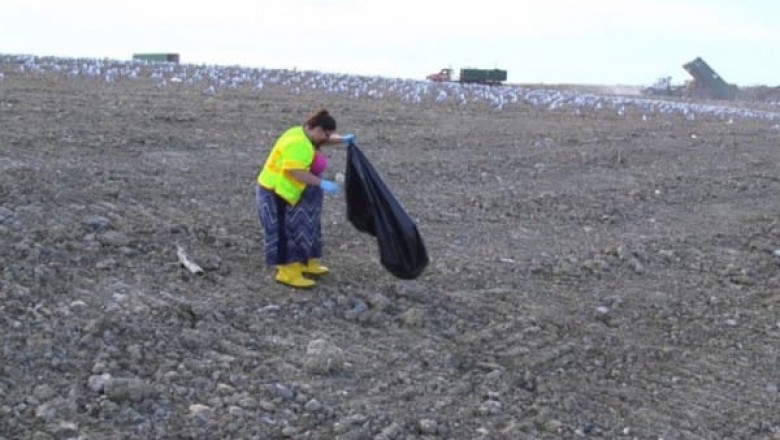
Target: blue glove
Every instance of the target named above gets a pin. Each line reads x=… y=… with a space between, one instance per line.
x=347 y=138
x=329 y=187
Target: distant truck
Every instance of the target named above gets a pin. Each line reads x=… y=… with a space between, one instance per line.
x=664 y=87
x=707 y=83
x=476 y=76
x=158 y=57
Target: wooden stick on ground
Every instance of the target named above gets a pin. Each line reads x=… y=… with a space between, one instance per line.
x=186 y=262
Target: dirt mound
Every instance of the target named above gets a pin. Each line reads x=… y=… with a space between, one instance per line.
x=592 y=275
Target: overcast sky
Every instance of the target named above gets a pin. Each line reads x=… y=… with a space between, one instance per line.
x=544 y=41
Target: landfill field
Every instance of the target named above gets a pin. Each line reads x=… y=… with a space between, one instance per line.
x=601 y=266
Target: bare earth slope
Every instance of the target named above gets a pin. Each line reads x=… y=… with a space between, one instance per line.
x=592 y=274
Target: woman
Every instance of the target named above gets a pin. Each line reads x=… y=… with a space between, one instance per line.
x=289 y=199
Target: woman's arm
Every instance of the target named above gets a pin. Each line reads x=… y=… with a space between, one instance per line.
x=338 y=139
x=305 y=177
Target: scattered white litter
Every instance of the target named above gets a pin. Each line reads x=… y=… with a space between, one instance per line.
x=213 y=79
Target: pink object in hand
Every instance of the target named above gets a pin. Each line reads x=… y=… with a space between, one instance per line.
x=319 y=164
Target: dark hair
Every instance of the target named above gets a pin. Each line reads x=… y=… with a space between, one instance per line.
x=323 y=119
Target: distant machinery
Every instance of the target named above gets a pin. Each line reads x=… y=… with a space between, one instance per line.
x=157 y=57
x=706 y=84
x=478 y=76
x=664 y=87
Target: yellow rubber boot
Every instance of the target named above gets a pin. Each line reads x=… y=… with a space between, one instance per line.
x=313 y=267
x=290 y=274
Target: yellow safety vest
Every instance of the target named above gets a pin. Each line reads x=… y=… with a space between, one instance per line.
x=292 y=151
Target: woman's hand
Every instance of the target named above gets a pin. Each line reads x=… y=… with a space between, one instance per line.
x=328 y=186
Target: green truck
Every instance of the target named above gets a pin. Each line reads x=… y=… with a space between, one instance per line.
x=708 y=84
x=482 y=76
x=157 y=57
x=476 y=76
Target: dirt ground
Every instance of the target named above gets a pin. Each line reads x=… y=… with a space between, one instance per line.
x=593 y=274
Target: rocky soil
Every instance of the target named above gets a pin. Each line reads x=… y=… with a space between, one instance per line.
x=594 y=273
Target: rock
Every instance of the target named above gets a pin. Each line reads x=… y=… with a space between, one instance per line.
x=77 y=305
x=605 y=315
x=212 y=263
x=490 y=407
x=552 y=426
x=408 y=289
x=108 y=408
x=267 y=405
x=225 y=389
x=595 y=265
x=135 y=353
x=57 y=409
x=284 y=392
x=99 y=367
x=247 y=403
x=589 y=429
x=46 y=412
x=96 y=223
x=236 y=411
x=614 y=301
x=6 y=215
x=301 y=398
x=197 y=409
x=98 y=382
x=342 y=301
x=428 y=427
x=636 y=265
x=106 y=264
x=312 y=405
x=413 y=317
x=611 y=250
x=128 y=390
x=18 y=291
x=114 y=239
x=348 y=422
x=65 y=430
x=493 y=376
x=289 y=431
x=358 y=309
x=323 y=357
x=216 y=402
x=493 y=395
x=43 y=392
x=378 y=301
x=194 y=339
x=271 y=308
x=391 y=432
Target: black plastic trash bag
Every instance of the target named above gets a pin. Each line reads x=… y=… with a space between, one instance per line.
x=373 y=209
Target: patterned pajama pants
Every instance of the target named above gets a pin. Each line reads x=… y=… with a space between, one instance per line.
x=292 y=233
